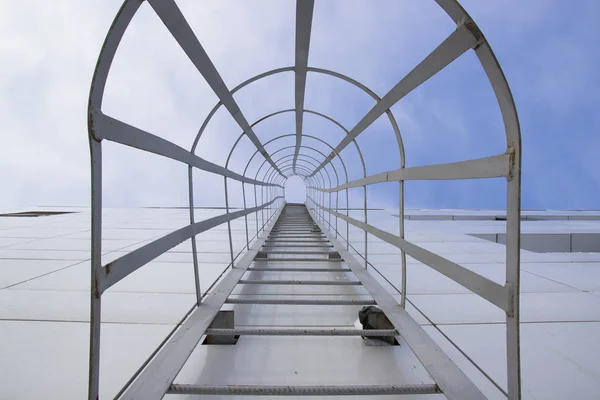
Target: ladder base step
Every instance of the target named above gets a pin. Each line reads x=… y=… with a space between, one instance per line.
x=304 y=302
x=290 y=231
x=294 y=227
x=260 y=390
x=290 y=236
x=290 y=246
x=286 y=231
x=299 y=243
x=292 y=282
x=300 y=253
x=301 y=332
x=291 y=269
x=296 y=241
x=293 y=234
x=299 y=259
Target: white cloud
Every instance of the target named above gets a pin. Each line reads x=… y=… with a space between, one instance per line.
x=49 y=51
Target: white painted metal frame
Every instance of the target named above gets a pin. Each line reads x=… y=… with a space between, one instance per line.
x=449 y=378
x=103 y=127
x=157 y=373
x=304 y=14
x=467 y=36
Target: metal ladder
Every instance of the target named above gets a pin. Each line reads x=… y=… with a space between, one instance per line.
x=309 y=225
x=297 y=244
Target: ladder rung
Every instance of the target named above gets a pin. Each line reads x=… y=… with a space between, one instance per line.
x=301 y=332
x=291 y=269
x=292 y=282
x=295 y=228
x=299 y=246
x=307 y=238
x=300 y=253
x=296 y=225
x=304 y=302
x=287 y=231
x=293 y=231
x=314 y=227
x=295 y=241
x=298 y=259
x=345 y=390
x=295 y=235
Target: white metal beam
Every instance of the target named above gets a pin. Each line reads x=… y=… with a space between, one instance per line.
x=449 y=378
x=291 y=390
x=130 y=262
x=171 y=16
x=156 y=378
x=487 y=289
x=304 y=14
x=461 y=40
x=488 y=167
x=117 y=131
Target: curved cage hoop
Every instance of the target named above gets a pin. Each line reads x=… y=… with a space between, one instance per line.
x=327 y=201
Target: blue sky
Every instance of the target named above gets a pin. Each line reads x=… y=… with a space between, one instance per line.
x=546 y=48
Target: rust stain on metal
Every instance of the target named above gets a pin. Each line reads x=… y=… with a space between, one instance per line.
x=511 y=162
x=97 y=293
x=92 y=126
x=472 y=27
x=510 y=291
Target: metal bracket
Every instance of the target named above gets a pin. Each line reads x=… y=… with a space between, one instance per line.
x=223 y=320
x=472 y=27
x=262 y=255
